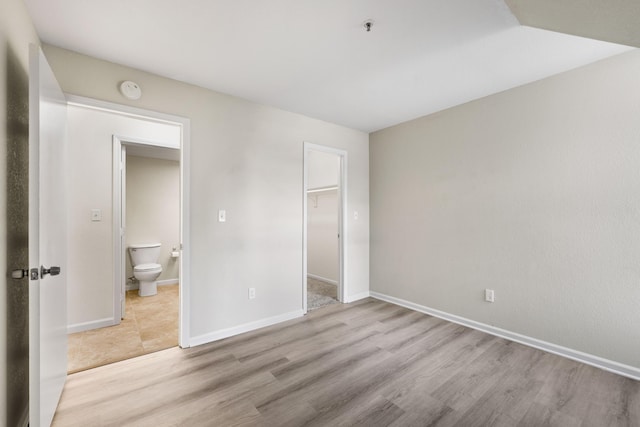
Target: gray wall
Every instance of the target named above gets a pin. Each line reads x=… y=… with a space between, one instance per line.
x=533 y=192
x=323 y=250
x=247 y=159
x=16 y=32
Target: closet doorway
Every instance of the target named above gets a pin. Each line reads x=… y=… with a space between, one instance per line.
x=324 y=234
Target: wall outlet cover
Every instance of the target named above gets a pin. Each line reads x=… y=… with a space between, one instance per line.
x=489 y=295
x=96 y=215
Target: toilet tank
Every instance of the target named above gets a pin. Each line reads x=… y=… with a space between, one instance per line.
x=145 y=253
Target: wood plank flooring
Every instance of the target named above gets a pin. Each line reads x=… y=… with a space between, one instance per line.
x=369 y=363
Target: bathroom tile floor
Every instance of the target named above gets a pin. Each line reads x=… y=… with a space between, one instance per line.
x=150 y=324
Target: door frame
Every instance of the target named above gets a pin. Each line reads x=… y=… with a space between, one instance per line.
x=120 y=144
x=342 y=219
x=185 y=248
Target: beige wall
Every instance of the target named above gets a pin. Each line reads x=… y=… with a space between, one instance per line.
x=91 y=266
x=614 y=21
x=16 y=33
x=248 y=160
x=532 y=192
x=322 y=216
x=323 y=169
x=322 y=236
x=153 y=209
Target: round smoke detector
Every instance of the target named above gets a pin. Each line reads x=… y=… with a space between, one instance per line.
x=130 y=90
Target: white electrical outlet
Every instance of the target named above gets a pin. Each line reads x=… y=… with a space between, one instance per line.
x=222 y=215
x=489 y=295
x=252 y=293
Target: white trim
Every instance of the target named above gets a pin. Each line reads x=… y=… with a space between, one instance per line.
x=588 y=359
x=185 y=167
x=358 y=297
x=342 y=223
x=133 y=286
x=117 y=226
x=305 y=206
x=247 y=327
x=111 y=107
x=323 y=279
x=87 y=326
x=184 y=260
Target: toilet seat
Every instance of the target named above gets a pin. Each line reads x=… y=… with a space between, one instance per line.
x=146 y=267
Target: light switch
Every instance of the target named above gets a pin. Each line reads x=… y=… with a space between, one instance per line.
x=355 y=215
x=96 y=215
x=222 y=216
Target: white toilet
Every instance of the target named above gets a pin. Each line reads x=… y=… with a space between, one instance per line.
x=146 y=270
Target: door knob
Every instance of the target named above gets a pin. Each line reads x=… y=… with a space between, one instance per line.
x=54 y=271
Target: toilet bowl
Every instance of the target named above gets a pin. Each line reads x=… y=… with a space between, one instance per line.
x=144 y=258
x=147 y=275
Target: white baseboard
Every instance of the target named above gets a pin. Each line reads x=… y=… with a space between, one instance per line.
x=134 y=286
x=357 y=297
x=87 y=326
x=240 y=329
x=324 y=279
x=589 y=359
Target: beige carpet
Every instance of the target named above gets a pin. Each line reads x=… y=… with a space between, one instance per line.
x=150 y=324
x=320 y=294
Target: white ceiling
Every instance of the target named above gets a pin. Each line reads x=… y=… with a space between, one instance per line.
x=315 y=58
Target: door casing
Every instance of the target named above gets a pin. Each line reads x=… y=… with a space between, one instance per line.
x=120 y=144
x=185 y=253
x=342 y=220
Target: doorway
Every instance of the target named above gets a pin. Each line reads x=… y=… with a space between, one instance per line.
x=324 y=231
x=147 y=210
x=144 y=136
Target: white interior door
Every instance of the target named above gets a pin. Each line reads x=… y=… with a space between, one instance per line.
x=47 y=241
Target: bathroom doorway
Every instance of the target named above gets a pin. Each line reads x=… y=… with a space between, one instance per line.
x=324 y=233
x=149 y=209
x=108 y=138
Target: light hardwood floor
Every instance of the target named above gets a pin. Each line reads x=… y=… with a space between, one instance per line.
x=369 y=363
